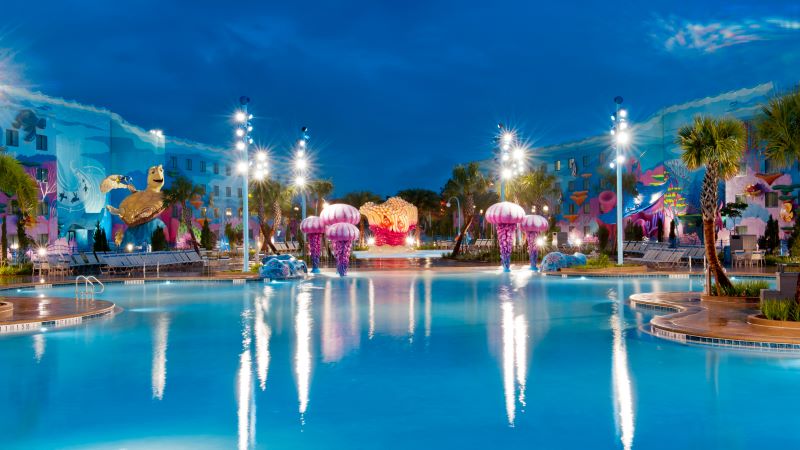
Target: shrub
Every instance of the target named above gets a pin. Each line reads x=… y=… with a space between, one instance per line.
x=602 y=238
x=750 y=288
x=22 y=269
x=206 y=237
x=782 y=309
x=158 y=241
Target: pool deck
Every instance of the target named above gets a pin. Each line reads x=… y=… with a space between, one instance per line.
x=35 y=313
x=691 y=320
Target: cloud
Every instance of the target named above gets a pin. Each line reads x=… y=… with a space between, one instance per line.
x=678 y=35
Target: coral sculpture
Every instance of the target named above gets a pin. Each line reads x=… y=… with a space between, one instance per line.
x=390 y=221
x=314 y=229
x=505 y=216
x=532 y=225
x=342 y=235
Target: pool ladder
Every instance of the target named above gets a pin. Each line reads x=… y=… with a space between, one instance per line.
x=89 y=287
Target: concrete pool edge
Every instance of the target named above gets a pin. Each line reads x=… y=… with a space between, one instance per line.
x=688 y=320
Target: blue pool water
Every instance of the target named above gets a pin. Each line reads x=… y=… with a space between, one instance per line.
x=391 y=361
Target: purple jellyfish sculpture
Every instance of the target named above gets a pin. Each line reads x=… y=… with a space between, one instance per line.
x=340 y=213
x=314 y=229
x=532 y=225
x=342 y=235
x=505 y=216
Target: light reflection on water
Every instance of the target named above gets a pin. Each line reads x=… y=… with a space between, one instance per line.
x=340 y=352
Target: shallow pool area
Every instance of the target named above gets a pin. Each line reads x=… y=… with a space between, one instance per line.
x=391 y=360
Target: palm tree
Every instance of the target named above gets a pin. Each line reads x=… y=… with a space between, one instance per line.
x=535 y=188
x=181 y=192
x=319 y=189
x=466 y=182
x=426 y=201
x=718 y=145
x=358 y=199
x=14 y=181
x=269 y=197
x=779 y=128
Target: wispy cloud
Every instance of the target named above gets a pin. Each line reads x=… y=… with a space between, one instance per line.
x=678 y=35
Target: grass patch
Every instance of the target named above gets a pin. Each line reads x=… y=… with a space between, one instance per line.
x=602 y=261
x=781 y=309
x=749 y=288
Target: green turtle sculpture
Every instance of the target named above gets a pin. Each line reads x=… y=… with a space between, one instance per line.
x=140 y=206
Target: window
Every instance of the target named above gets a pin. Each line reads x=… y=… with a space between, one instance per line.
x=216 y=168
x=585 y=161
x=585 y=184
x=42 y=239
x=741 y=199
x=188 y=164
x=558 y=186
x=216 y=190
x=557 y=165
x=240 y=212
x=741 y=229
x=42 y=209
x=12 y=138
x=571 y=186
x=227 y=191
x=771 y=200
x=228 y=212
x=216 y=212
x=239 y=192
x=586 y=231
x=587 y=209
x=203 y=166
x=742 y=169
x=42 y=174
x=227 y=169
x=544 y=167
x=41 y=142
x=572 y=208
x=769 y=166
x=173 y=162
x=203 y=211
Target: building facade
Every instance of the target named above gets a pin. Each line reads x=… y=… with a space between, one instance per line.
x=69 y=148
x=658 y=188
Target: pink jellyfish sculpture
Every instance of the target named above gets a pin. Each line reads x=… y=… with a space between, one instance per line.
x=340 y=213
x=505 y=216
x=533 y=225
x=314 y=229
x=342 y=235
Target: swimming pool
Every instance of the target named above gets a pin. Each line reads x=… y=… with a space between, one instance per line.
x=388 y=360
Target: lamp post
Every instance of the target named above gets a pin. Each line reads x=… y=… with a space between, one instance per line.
x=243 y=141
x=620 y=137
x=511 y=158
x=460 y=216
x=301 y=168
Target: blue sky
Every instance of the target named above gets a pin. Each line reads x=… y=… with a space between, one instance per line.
x=395 y=93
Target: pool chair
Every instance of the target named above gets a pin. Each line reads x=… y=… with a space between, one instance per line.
x=739 y=258
x=757 y=258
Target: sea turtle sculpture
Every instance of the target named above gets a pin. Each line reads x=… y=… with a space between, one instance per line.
x=140 y=206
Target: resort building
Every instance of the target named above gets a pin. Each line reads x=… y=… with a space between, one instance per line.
x=69 y=148
x=657 y=186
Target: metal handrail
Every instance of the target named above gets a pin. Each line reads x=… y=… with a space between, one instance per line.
x=88 y=281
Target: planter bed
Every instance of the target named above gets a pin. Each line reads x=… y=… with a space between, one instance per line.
x=761 y=321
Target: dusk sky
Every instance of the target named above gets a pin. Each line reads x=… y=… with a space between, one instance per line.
x=394 y=93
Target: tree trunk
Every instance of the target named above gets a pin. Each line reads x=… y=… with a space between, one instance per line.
x=187 y=220
x=714 y=266
x=460 y=238
x=4 y=239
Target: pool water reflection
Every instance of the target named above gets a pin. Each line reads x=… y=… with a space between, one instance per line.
x=387 y=360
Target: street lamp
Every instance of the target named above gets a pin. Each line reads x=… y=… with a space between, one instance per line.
x=511 y=156
x=301 y=168
x=242 y=132
x=620 y=138
x=460 y=216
